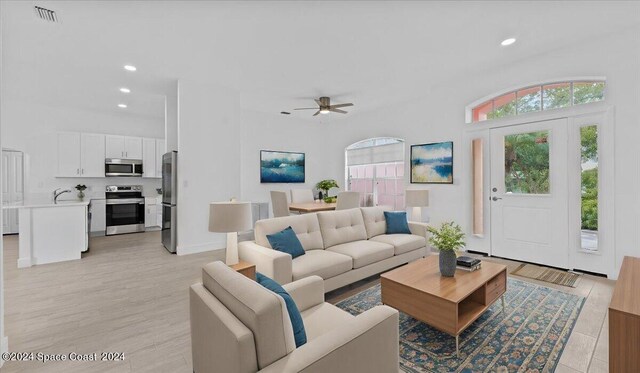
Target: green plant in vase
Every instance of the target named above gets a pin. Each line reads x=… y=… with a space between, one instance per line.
x=324 y=186
x=448 y=239
x=81 y=188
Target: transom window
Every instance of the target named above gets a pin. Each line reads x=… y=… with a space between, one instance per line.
x=538 y=98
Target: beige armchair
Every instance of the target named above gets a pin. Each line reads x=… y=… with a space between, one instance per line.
x=239 y=326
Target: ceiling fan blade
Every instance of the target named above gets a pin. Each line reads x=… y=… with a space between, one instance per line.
x=317 y=112
x=306 y=108
x=340 y=105
x=332 y=109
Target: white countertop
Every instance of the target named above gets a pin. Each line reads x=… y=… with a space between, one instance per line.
x=45 y=203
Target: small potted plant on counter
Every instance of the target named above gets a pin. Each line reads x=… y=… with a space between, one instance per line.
x=81 y=188
x=448 y=239
x=324 y=186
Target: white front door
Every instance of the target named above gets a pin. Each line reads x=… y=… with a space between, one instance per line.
x=528 y=197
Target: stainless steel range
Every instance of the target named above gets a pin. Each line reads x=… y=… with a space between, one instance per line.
x=125 y=209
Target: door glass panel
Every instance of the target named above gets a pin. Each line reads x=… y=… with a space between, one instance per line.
x=526 y=163
x=589 y=186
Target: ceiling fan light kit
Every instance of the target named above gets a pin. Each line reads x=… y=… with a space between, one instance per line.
x=325 y=107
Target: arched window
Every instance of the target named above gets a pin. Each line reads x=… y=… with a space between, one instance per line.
x=546 y=96
x=375 y=168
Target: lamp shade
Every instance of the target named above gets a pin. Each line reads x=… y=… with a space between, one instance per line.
x=226 y=217
x=417 y=198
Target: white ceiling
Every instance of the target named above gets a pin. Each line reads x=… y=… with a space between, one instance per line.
x=278 y=55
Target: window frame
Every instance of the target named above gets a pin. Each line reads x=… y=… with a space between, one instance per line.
x=469 y=110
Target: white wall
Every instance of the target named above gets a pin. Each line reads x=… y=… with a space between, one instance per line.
x=440 y=116
x=285 y=133
x=208 y=160
x=31 y=128
x=171 y=119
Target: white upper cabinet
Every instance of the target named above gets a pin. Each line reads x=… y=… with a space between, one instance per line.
x=160 y=150
x=83 y=154
x=69 y=154
x=126 y=147
x=149 y=158
x=133 y=147
x=92 y=155
x=114 y=146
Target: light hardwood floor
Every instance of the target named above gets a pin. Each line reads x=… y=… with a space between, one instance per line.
x=128 y=294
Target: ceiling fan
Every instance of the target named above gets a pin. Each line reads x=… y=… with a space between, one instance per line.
x=325 y=107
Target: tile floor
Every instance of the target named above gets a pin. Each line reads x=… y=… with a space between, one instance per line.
x=128 y=294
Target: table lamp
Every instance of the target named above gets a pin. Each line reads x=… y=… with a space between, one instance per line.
x=230 y=218
x=417 y=199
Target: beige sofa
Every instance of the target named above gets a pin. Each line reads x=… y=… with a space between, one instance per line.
x=340 y=246
x=239 y=326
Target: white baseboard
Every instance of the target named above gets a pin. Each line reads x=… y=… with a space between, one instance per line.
x=194 y=249
x=24 y=262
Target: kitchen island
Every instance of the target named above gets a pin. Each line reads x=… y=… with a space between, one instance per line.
x=51 y=232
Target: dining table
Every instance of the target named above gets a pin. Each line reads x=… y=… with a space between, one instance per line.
x=309 y=207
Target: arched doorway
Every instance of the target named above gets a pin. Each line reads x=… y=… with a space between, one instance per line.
x=375 y=168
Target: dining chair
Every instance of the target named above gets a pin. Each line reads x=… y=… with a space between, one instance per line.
x=348 y=200
x=301 y=195
x=279 y=204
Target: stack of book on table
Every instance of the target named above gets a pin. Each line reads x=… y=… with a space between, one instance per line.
x=469 y=264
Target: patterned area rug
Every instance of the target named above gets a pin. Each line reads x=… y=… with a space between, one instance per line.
x=550 y=275
x=528 y=337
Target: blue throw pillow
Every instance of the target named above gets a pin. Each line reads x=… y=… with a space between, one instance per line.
x=294 y=314
x=287 y=242
x=396 y=222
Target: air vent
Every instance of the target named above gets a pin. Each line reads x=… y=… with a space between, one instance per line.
x=46 y=14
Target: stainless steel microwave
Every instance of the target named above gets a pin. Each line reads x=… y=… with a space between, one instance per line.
x=116 y=167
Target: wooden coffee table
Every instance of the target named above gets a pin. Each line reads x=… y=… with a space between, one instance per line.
x=449 y=304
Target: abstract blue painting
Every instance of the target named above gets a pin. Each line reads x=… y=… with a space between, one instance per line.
x=432 y=163
x=281 y=167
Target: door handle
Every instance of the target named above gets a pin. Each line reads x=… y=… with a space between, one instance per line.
x=495 y=198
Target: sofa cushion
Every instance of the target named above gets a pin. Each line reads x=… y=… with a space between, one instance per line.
x=323 y=318
x=287 y=242
x=396 y=222
x=305 y=226
x=341 y=226
x=403 y=243
x=374 y=220
x=321 y=263
x=259 y=309
x=294 y=314
x=364 y=252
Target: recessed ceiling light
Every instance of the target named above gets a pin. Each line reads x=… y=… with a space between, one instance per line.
x=122 y=106
x=130 y=68
x=509 y=41
x=125 y=90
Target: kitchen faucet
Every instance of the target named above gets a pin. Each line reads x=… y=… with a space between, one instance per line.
x=57 y=194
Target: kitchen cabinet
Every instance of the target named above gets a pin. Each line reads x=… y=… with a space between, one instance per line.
x=80 y=154
x=91 y=155
x=153 y=211
x=149 y=158
x=98 y=216
x=123 y=147
x=68 y=154
x=161 y=148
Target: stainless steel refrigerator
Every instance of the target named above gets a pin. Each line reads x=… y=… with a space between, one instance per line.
x=170 y=201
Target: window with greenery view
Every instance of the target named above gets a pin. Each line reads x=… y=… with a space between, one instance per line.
x=526 y=163
x=537 y=98
x=589 y=186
